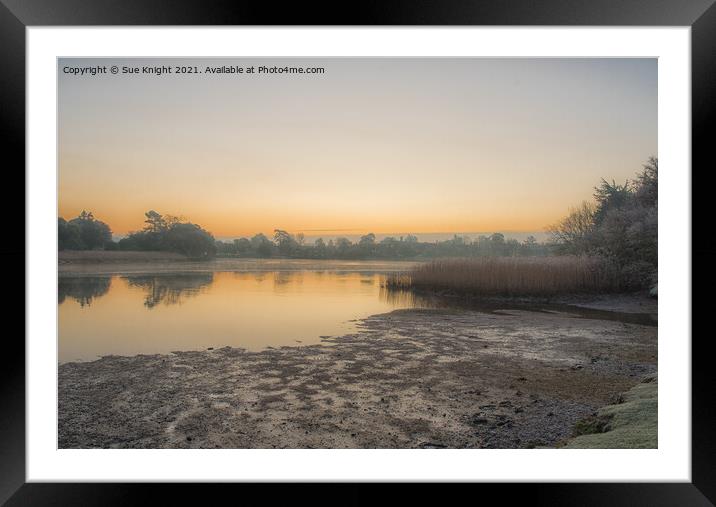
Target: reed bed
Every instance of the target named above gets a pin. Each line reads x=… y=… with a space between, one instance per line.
x=511 y=276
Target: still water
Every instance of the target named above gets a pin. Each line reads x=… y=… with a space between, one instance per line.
x=150 y=309
x=128 y=314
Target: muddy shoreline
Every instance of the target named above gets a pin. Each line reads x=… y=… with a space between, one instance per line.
x=421 y=378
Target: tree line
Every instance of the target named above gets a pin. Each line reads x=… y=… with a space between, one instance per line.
x=173 y=234
x=620 y=224
x=161 y=233
x=284 y=244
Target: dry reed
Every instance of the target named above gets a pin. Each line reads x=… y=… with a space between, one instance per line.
x=511 y=276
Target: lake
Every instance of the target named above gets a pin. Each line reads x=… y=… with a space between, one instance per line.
x=145 y=309
x=157 y=308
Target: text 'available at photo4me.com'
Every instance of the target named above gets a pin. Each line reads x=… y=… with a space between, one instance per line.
x=163 y=70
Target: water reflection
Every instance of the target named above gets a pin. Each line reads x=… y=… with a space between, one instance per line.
x=283 y=280
x=259 y=276
x=82 y=289
x=161 y=313
x=170 y=289
x=409 y=299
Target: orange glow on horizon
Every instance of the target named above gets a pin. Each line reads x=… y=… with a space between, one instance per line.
x=372 y=145
x=229 y=226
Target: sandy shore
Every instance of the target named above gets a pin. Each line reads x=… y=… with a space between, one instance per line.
x=406 y=379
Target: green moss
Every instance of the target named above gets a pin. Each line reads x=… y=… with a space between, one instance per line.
x=628 y=425
x=591 y=425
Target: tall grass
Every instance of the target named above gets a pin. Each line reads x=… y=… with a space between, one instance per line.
x=511 y=276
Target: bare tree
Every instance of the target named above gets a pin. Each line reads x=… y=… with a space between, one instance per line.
x=573 y=232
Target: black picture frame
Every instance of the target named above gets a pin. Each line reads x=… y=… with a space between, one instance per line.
x=700 y=15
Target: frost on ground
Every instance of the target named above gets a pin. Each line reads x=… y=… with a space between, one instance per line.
x=406 y=379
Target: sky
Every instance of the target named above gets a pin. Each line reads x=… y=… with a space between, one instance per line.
x=383 y=145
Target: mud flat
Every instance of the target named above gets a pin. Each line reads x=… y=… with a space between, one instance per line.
x=406 y=379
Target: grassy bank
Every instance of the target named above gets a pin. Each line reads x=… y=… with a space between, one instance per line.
x=631 y=424
x=510 y=276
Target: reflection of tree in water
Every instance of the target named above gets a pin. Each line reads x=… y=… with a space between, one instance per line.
x=282 y=280
x=82 y=289
x=257 y=276
x=170 y=289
